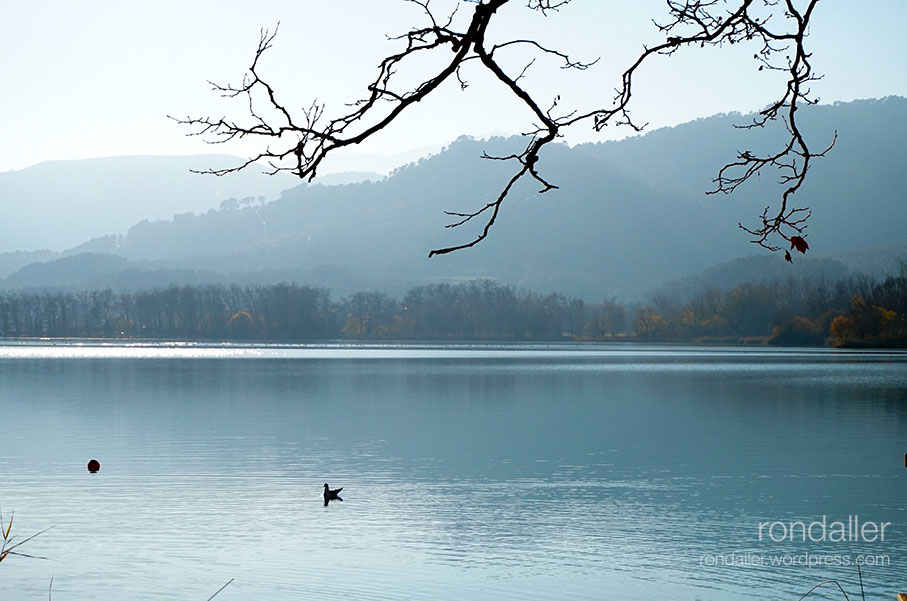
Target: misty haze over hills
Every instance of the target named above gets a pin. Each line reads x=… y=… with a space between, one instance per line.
x=628 y=217
x=60 y=204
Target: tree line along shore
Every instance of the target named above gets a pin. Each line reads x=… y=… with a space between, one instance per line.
x=856 y=311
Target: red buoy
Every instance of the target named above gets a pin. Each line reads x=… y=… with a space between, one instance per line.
x=94 y=465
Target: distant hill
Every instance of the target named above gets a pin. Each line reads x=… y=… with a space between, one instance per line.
x=628 y=217
x=857 y=192
x=348 y=177
x=98 y=271
x=754 y=268
x=876 y=261
x=58 y=204
x=385 y=229
x=66 y=272
x=13 y=261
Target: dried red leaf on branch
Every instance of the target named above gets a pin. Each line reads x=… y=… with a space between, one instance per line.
x=798 y=243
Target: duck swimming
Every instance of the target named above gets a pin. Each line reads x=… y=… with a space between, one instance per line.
x=331 y=494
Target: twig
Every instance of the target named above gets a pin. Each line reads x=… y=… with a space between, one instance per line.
x=221 y=588
x=823 y=583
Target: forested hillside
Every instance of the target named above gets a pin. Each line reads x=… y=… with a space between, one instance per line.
x=628 y=217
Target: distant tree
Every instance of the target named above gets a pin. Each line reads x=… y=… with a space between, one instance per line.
x=870 y=321
x=606 y=319
x=241 y=325
x=698 y=316
x=229 y=204
x=648 y=322
x=750 y=309
x=842 y=329
x=576 y=317
x=798 y=331
x=777 y=29
x=370 y=314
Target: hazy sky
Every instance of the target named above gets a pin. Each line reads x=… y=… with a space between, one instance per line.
x=89 y=79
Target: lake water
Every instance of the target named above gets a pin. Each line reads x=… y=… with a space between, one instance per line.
x=469 y=471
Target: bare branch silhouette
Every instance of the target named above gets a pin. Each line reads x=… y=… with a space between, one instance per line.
x=299 y=143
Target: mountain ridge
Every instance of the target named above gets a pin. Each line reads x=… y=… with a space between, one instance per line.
x=629 y=215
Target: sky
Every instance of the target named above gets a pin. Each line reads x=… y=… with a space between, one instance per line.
x=98 y=78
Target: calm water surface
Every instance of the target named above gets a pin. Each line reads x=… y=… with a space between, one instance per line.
x=469 y=471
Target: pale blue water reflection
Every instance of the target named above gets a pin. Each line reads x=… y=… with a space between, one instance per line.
x=509 y=471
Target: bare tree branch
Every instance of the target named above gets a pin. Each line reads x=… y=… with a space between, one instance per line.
x=775 y=27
